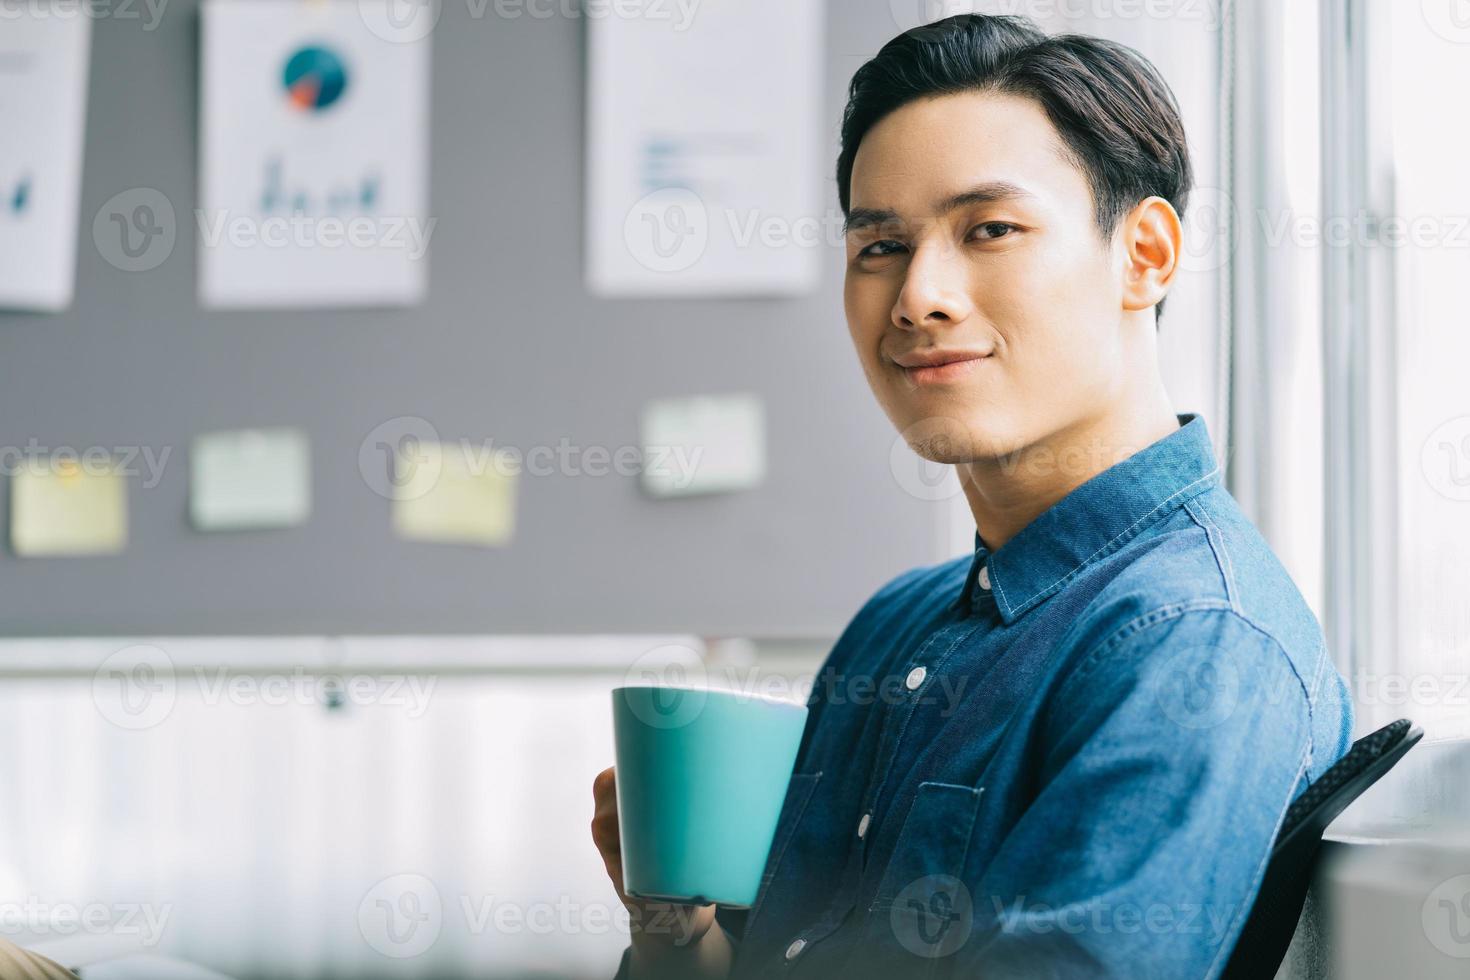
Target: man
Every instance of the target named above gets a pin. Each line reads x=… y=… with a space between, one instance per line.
x=1086 y=735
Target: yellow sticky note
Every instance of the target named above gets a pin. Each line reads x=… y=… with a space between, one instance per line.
x=454 y=493
x=68 y=507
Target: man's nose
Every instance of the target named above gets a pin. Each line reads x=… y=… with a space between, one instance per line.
x=934 y=291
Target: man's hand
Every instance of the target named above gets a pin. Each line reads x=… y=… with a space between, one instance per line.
x=668 y=939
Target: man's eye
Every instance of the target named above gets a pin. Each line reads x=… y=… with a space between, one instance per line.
x=994 y=229
x=886 y=246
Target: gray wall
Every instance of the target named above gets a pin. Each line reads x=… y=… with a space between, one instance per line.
x=509 y=346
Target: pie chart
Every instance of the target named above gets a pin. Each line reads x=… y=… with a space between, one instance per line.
x=315 y=77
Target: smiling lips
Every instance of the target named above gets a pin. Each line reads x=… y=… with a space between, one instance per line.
x=939 y=366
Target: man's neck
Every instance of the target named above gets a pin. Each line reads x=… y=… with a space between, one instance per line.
x=1006 y=493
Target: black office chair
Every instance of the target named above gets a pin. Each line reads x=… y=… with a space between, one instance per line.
x=1273 y=919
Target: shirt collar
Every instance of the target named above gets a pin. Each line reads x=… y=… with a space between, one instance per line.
x=1096 y=518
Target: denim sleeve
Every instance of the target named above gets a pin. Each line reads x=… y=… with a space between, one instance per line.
x=1171 y=753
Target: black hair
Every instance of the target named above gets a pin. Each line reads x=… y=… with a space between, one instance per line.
x=1117 y=117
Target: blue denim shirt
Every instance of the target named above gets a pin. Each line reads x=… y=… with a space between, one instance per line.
x=1065 y=758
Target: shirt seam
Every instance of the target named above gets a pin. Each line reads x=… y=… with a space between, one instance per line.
x=1176 y=611
x=1118 y=538
x=1216 y=540
x=1137 y=624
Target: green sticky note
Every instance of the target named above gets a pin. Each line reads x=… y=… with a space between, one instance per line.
x=250 y=478
x=69 y=507
x=451 y=493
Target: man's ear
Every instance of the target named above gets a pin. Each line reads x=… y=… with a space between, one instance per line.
x=1151 y=238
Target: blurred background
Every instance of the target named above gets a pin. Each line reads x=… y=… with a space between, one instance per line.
x=387 y=380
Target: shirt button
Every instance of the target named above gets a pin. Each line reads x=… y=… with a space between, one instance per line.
x=794 y=950
x=915 y=678
x=985 y=577
x=863 y=825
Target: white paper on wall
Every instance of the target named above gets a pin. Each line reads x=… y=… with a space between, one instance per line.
x=44 y=51
x=313 y=157
x=705 y=444
x=705 y=140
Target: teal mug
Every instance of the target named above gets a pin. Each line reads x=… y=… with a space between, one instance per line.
x=701 y=778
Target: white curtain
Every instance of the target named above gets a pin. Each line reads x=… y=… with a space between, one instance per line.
x=258 y=827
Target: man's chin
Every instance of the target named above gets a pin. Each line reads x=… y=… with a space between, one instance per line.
x=946 y=441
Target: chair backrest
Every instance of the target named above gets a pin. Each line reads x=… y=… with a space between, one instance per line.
x=1273 y=918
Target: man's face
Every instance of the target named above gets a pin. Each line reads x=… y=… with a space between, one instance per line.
x=987 y=323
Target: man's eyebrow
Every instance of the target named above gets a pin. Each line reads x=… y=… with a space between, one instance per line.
x=990 y=192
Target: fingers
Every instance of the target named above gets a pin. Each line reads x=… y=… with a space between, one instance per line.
x=605 y=783
x=605 y=812
x=605 y=832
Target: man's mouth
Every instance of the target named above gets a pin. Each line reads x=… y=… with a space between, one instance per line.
x=940 y=366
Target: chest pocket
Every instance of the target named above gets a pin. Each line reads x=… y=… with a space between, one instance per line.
x=923 y=912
